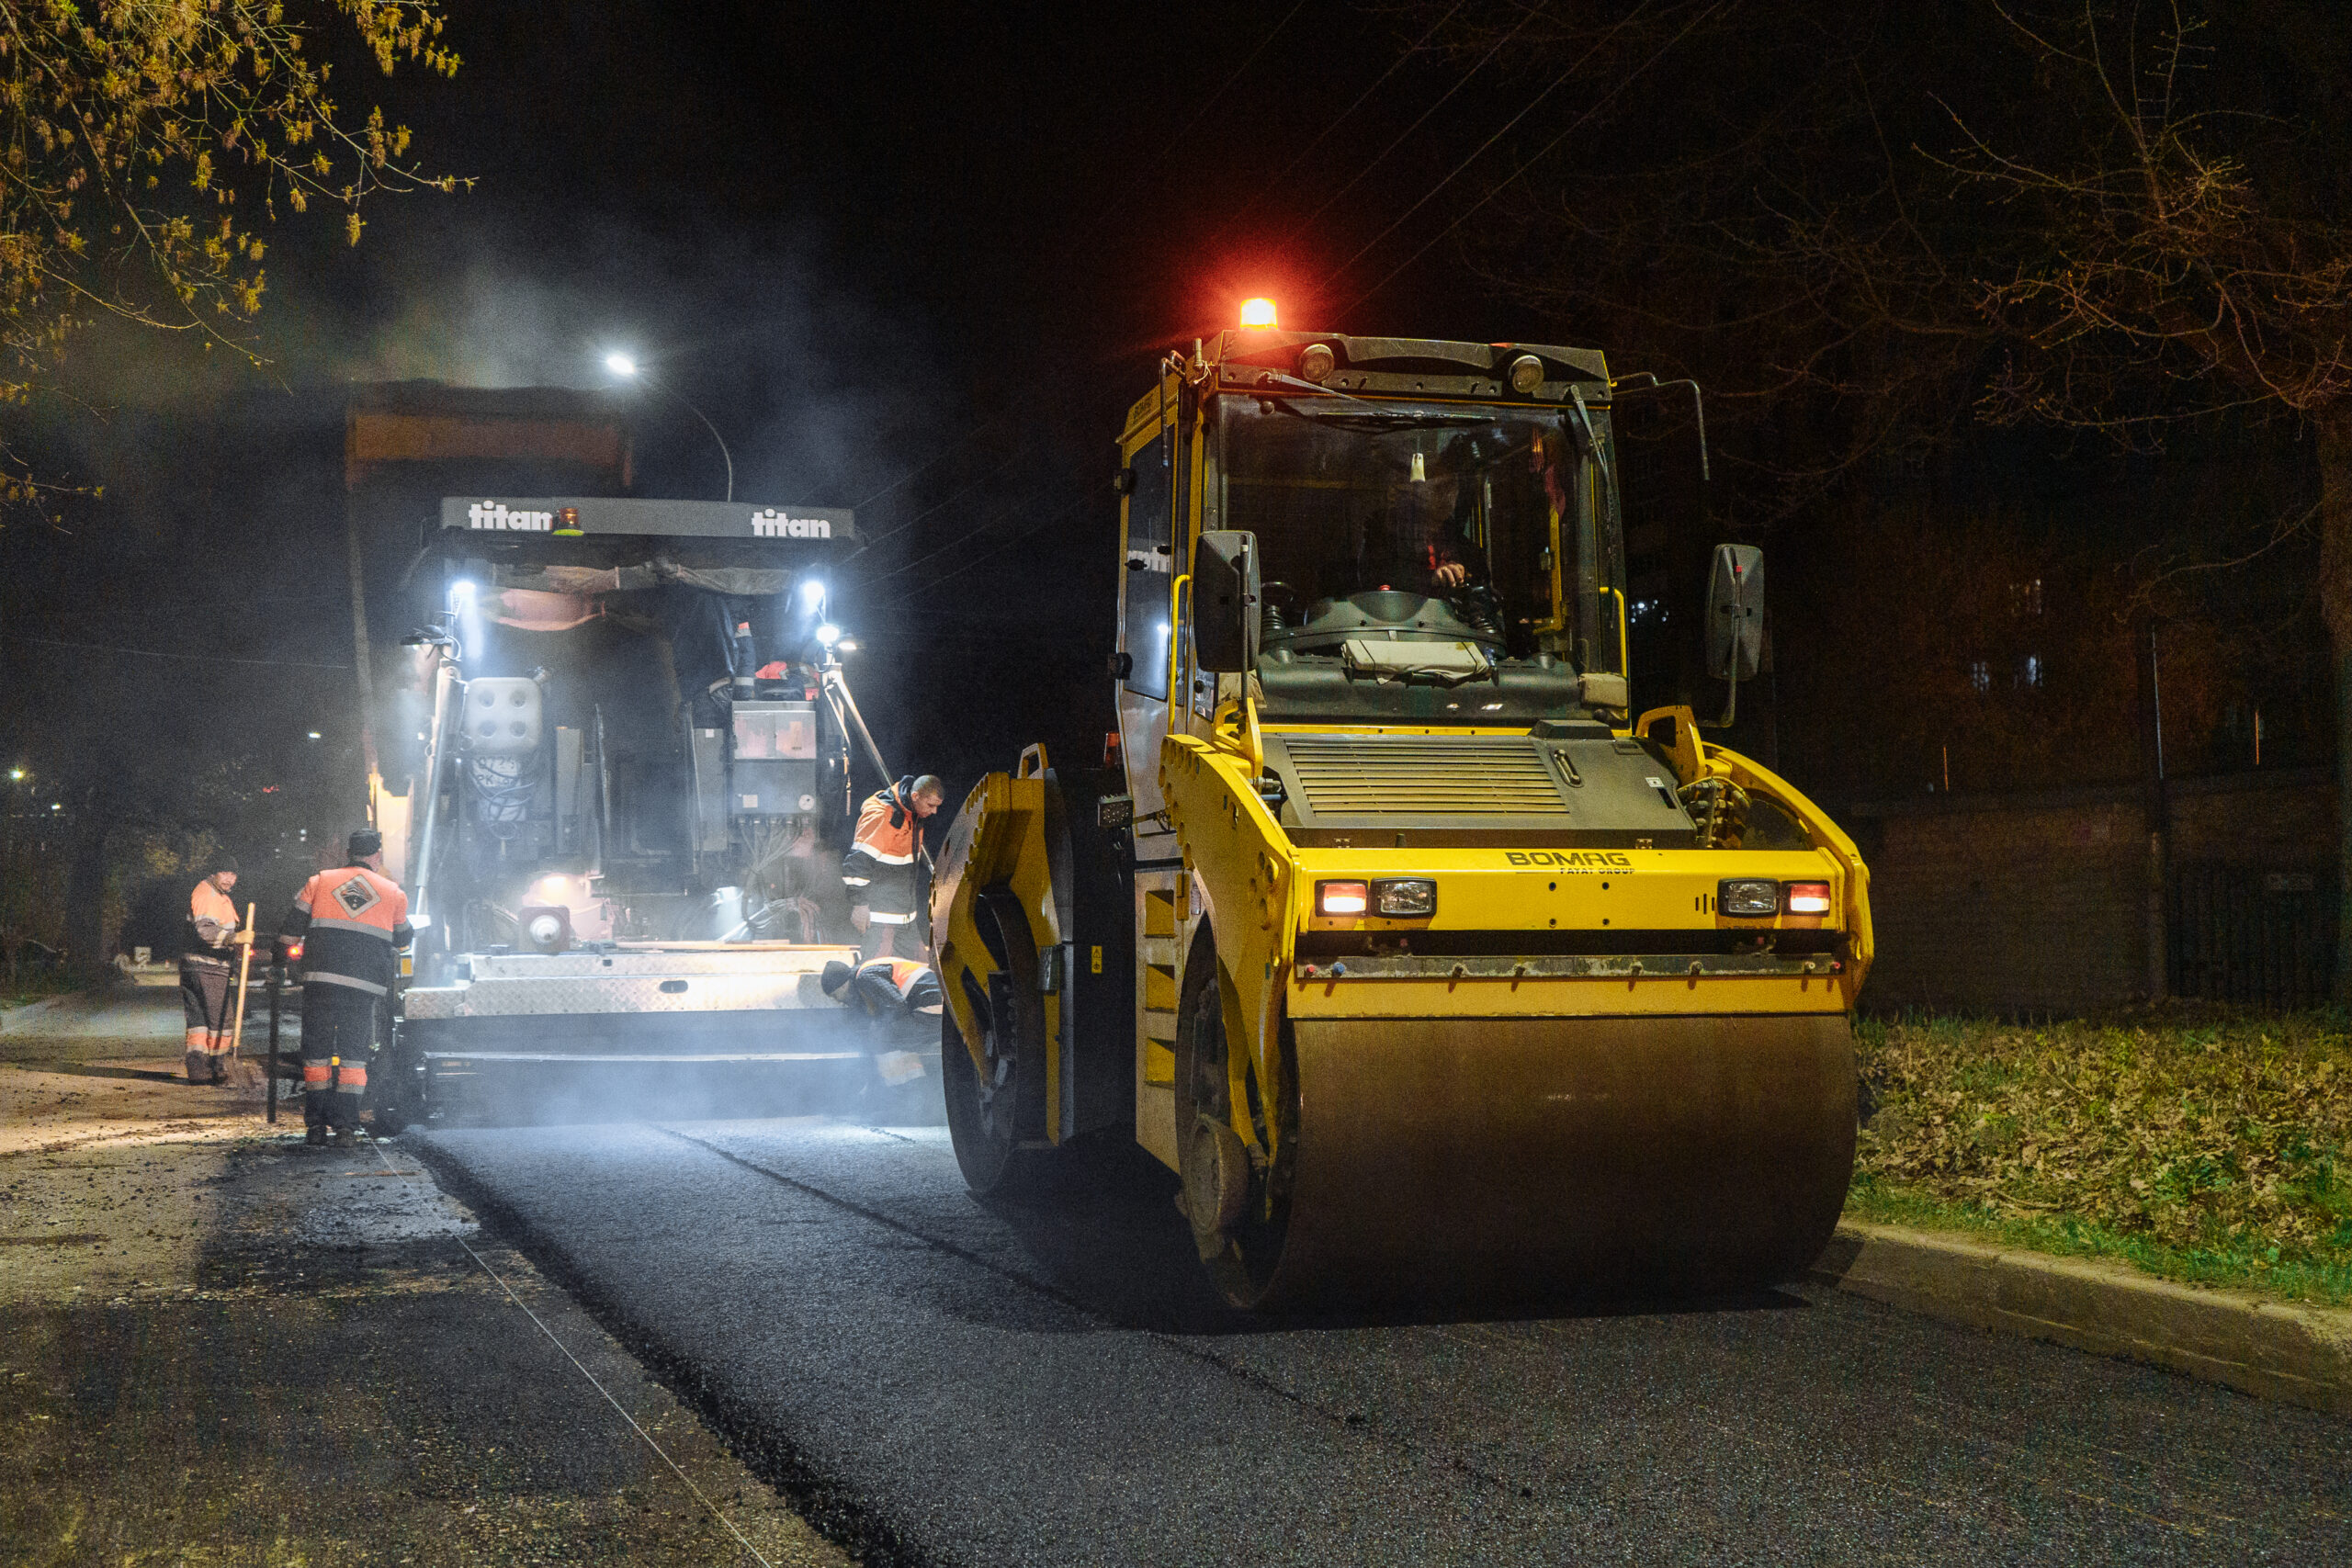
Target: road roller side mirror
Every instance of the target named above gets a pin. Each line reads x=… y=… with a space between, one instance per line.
x=1225 y=601
x=1735 y=620
x=1735 y=613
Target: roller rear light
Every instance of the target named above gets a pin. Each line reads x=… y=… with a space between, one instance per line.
x=1342 y=898
x=1808 y=897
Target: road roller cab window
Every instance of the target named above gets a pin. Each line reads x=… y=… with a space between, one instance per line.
x=1473 y=535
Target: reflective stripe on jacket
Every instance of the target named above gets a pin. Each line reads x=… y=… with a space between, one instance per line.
x=886 y=829
x=350 y=920
x=213 y=914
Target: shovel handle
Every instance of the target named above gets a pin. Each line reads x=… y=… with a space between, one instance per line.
x=244 y=968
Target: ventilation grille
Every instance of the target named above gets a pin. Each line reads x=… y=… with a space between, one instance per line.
x=1363 y=775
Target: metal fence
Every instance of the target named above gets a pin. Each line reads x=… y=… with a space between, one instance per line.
x=2249 y=935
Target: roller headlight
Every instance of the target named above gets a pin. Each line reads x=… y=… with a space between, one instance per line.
x=1751 y=897
x=1405 y=897
x=1526 y=375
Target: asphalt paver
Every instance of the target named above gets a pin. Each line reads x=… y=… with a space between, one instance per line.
x=1051 y=1382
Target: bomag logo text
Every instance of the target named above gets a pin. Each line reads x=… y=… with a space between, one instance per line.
x=769 y=523
x=1566 y=857
x=495 y=515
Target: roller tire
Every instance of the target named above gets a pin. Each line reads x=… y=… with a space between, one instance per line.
x=393 y=1101
x=997 y=1129
x=1243 y=1255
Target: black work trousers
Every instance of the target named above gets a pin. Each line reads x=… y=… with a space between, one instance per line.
x=338 y=1041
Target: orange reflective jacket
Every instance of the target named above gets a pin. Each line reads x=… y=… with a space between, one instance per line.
x=349 y=922
x=910 y=982
x=886 y=829
x=213 y=914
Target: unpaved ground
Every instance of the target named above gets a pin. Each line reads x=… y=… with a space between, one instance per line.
x=219 y=1346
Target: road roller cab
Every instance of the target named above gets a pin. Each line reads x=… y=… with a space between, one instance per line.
x=1426 y=961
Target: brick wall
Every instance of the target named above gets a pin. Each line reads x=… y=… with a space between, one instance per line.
x=2038 y=903
x=2272 y=821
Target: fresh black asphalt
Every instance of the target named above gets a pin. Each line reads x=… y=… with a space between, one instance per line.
x=1052 y=1382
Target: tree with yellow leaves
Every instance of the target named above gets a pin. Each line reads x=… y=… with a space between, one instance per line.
x=145 y=147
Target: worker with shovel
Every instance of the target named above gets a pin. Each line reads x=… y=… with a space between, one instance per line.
x=209 y=971
x=351 y=922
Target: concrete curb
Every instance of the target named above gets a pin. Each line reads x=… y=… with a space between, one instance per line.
x=2282 y=1350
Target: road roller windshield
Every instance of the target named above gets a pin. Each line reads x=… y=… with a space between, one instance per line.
x=1445 y=561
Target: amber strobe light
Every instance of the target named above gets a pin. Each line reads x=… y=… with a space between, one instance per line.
x=1341 y=897
x=1257 y=312
x=1808 y=897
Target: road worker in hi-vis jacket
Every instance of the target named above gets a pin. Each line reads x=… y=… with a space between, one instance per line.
x=350 y=923
x=879 y=869
x=209 y=971
x=897 y=1001
x=884 y=989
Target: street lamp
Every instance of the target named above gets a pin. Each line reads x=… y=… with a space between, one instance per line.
x=627 y=367
x=8 y=844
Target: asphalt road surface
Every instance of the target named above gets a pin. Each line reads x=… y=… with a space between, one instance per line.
x=940 y=1381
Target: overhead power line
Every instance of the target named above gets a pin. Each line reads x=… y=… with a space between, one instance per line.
x=1555 y=85
x=1102 y=215
x=1009 y=510
x=1461 y=82
x=958 y=495
x=1161 y=145
x=1001 y=545
x=191 y=657
x=1330 y=125
x=1549 y=148
x=940 y=456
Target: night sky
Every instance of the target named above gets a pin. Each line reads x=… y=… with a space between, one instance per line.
x=913 y=259
x=916 y=260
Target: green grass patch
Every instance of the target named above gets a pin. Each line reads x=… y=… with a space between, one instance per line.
x=2197 y=1144
x=33 y=987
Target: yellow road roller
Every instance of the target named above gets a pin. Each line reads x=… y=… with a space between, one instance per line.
x=1428 y=966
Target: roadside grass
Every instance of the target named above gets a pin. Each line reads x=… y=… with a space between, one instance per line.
x=32 y=985
x=2197 y=1143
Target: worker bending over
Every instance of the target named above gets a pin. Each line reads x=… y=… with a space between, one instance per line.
x=886 y=989
x=879 y=869
x=350 y=921
x=206 y=966
x=898 y=1001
